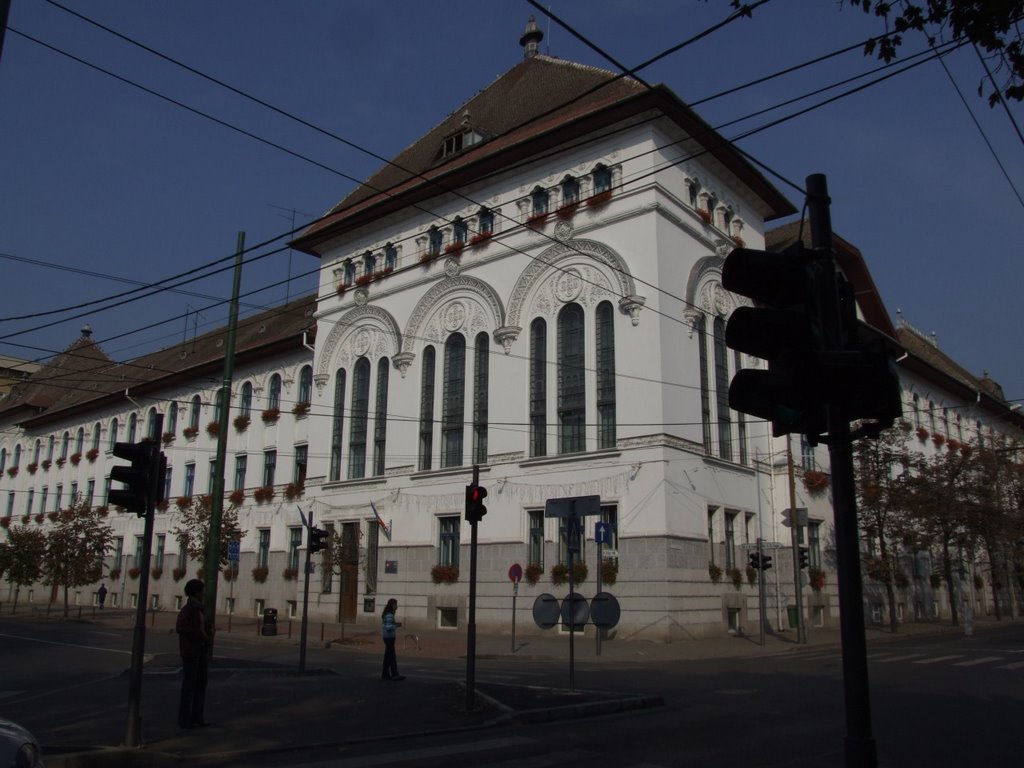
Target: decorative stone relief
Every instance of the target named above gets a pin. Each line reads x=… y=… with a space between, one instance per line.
x=506 y=336
x=631 y=305
x=361 y=342
x=563 y=230
x=320 y=381
x=361 y=297
x=452 y=266
x=454 y=316
x=568 y=285
x=424 y=322
x=402 y=361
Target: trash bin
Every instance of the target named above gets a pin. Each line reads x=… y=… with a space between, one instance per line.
x=794 y=620
x=269 y=627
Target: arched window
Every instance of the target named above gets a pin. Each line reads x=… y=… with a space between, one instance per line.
x=218 y=405
x=369 y=263
x=390 y=258
x=700 y=331
x=605 y=348
x=572 y=401
x=602 y=179
x=274 y=392
x=194 y=412
x=380 y=418
x=3 y=459
x=485 y=219
x=931 y=416
x=460 y=231
x=917 y=411
x=133 y=424
x=17 y=456
x=453 y=401
x=741 y=420
x=570 y=191
x=65 y=443
x=722 y=391
x=350 y=272
x=245 y=400
x=538 y=388
x=151 y=425
x=427 y=410
x=80 y=440
x=337 y=424
x=360 y=414
x=435 y=238
x=39 y=448
x=481 y=383
x=110 y=442
x=172 y=418
x=306 y=385
x=538 y=202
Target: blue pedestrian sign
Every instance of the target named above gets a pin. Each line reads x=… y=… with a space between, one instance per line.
x=233 y=551
x=603 y=533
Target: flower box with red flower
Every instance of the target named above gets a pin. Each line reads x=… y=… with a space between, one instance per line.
x=953 y=444
x=178 y=574
x=480 y=239
x=290 y=574
x=428 y=256
x=537 y=220
x=532 y=573
x=236 y=497
x=922 y=434
x=91 y=455
x=705 y=215
x=162 y=505
x=965 y=450
x=567 y=211
x=444 y=574
x=364 y=280
x=61 y=462
x=264 y=494
x=300 y=409
x=134 y=572
x=103 y=510
x=52 y=516
x=938 y=439
x=342 y=287
x=40 y=517
x=32 y=468
x=816 y=577
x=386 y=271
x=156 y=573
x=609 y=571
x=293 y=490
x=242 y=422
x=739 y=241
x=190 y=432
x=167 y=438
x=454 y=248
x=5 y=522
x=815 y=482
x=259 y=574
x=230 y=573
x=76 y=458
x=213 y=428
x=599 y=200
x=183 y=502
x=115 y=574
x=12 y=471
x=271 y=415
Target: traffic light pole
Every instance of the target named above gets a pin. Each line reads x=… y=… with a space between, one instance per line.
x=859 y=746
x=305 y=597
x=794 y=541
x=471 y=626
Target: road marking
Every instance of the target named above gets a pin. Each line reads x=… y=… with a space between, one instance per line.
x=891 y=659
x=67 y=645
x=1014 y=665
x=386 y=758
x=937 y=659
x=982 y=660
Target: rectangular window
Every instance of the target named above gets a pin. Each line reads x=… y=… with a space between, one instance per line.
x=448 y=541
x=301 y=464
x=563 y=544
x=45 y=492
x=90 y=491
x=722 y=391
x=269 y=468
x=610 y=515
x=741 y=419
x=241 y=463
x=262 y=547
x=806 y=453
x=58 y=497
x=31 y=500
x=699 y=327
x=294 y=542
x=190 y=480
x=327 y=562
x=118 y=550
x=137 y=562
x=712 y=559
x=211 y=478
x=74 y=494
x=730 y=539
x=535 y=540
x=814 y=544
x=161 y=543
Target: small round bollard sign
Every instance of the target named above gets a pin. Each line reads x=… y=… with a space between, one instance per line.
x=515 y=573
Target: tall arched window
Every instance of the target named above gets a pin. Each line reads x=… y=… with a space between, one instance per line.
x=460 y=231
x=39 y=449
x=390 y=258
x=570 y=191
x=605 y=347
x=427 y=410
x=65 y=444
x=133 y=425
x=741 y=420
x=194 y=412
x=306 y=385
x=360 y=414
x=572 y=400
x=722 y=391
x=17 y=456
x=917 y=411
x=380 y=417
x=274 y=392
x=337 y=424
x=538 y=388
x=538 y=201
x=481 y=383
x=151 y=425
x=602 y=179
x=700 y=331
x=369 y=263
x=485 y=222
x=80 y=440
x=3 y=460
x=110 y=442
x=96 y=429
x=435 y=238
x=453 y=401
x=245 y=400
x=172 y=418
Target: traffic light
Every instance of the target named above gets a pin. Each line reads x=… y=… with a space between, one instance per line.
x=785 y=328
x=755 y=561
x=804 y=557
x=143 y=480
x=318 y=539
x=475 y=509
x=766 y=562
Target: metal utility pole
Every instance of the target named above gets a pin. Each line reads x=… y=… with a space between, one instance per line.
x=859 y=745
x=471 y=627
x=305 y=596
x=794 y=541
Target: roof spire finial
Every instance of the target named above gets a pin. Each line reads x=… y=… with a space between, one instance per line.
x=531 y=39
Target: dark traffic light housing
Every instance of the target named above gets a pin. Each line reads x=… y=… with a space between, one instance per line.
x=755 y=561
x=804 y=557
x=318 y=539
x=475 y=509
x=143 y=480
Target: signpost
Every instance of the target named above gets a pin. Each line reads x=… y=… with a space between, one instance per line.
x=515 y=575
x=234 y=551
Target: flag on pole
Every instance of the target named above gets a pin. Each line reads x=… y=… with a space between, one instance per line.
x=380 y=521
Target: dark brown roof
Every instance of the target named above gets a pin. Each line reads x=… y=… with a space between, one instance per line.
x=538 y=104
x=83 y=375
x=925 y=350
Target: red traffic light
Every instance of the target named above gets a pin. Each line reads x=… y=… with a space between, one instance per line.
x=475 y=509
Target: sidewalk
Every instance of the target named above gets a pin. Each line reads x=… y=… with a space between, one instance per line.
x=260 y=708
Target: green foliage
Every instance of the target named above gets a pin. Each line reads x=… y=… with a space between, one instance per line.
x=75 y=548
x=193 y=529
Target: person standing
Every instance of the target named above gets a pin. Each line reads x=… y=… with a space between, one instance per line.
x=388 y=627
x=101 y=594
x=193 y=644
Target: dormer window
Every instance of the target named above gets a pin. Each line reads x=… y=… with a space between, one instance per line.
x=459 y=141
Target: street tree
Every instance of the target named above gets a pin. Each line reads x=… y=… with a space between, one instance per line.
x=192 y=530
x=22 y=557
x=75 y=548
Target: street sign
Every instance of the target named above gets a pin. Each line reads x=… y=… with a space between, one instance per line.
x=609 y=554
x=800 y=518
x=515 y=573
x=574 y=532
x=575 y=611
x=602 y=532
x=604 y=610
x=545 y=611
x=234 y=548
x=570 y=506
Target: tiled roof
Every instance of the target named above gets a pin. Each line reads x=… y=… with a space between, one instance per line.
x=83 y=374
x=532 y=104
x=926 y=350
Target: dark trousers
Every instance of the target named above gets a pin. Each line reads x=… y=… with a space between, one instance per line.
x=193 y=690
x=390 y=660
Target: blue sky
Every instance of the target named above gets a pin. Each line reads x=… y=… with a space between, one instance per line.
x=101 y=177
